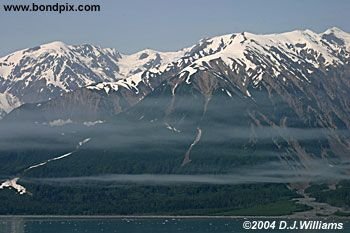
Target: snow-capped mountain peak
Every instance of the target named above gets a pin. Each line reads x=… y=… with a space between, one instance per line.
x=334 y=30
x=338 y=37
x=55 y=46
x=298 y=52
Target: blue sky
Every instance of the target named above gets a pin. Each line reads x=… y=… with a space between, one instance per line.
x=132 y=25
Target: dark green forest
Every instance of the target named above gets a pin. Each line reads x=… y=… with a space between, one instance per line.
x=338 y=197
x=132 y=199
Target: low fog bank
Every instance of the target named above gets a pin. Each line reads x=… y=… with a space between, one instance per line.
x=273 y=172
x=22 y=135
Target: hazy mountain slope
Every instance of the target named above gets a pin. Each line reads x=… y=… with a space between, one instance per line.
x=228 y=103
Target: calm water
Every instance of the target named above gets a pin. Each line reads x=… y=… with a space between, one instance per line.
x=134 y=225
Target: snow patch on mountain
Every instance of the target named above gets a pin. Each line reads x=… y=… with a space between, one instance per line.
x=130 y=83
x=59 y=122
x=92 y=123
x=12 y=184
x=80 y=144
x=146 y=60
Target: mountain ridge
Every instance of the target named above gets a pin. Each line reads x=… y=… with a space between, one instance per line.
x=50 y=70
x=273 y=53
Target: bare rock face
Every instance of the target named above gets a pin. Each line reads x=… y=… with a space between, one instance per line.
x=7 y=103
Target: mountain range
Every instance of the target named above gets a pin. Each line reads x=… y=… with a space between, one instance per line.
x=267 y=102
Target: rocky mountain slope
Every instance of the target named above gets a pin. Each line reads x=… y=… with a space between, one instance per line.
x=48 y=71
x=7 y=103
